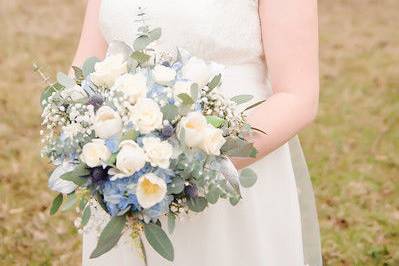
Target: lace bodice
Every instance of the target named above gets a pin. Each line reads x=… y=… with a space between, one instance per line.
x=225 y=31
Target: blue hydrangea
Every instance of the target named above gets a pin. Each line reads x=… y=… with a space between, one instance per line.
x=117 y=194
x=158 y=209
x=112 y=143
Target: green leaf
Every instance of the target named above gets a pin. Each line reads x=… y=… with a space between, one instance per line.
x=194 y=91
x=130 y=135
x=176 y=186
x=86 y=215
x=112 y=160
x=247 y=177
x=186 y=99
x=57 y=202
x=140 y=57
x=243 y=98
x=75 y=176
x=88 y=66
x=170 y=112
x=110 y=236
x=237 y=147
x=65 y=81
x=254 y=105
x=215 y=82
x=71 y=201
x=49 y=90
x=155 y=34
x=141 y=42
x=83 y=202
x=159 y=241
x=215 y=120
x=234 y=200
x=78 y=73
x=213 y=194
x=171 y=222
x=197 y=204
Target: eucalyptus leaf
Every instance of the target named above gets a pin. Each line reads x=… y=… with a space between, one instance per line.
x=171 y=222
x=141 y=42
x=215 y=120
x=186 y=99
x=110 y=236
x=65 y=81
x=77 y=175
x=215 y=82
x=159 y=241
x=197 y=204
x=86 y=215
x=57 y=202
x=243 y=98
x=70 y=202
x=155 y=34
x=176 y=186
x=140 y=57
x=170 y=112
x=247 y=177
x=234 y=200
x=88 y=66
x=213 y=194
x=237 y=147
x=254 y=105
x=49 y=90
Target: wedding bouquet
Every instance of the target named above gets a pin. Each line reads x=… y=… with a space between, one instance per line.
x=146 y=135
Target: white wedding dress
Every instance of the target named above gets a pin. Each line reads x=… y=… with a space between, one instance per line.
x=272 y=225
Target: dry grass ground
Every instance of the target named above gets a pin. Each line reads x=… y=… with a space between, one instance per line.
x=352 y=147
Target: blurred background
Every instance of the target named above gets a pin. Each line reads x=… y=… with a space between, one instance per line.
x=352 y=148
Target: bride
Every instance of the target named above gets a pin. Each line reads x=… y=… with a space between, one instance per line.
x=275 y=224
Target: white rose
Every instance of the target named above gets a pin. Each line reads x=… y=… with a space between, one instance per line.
x=60 y=185
x=197 y=71
x=95 y=152
x=146 y=115
x=158 y=152
x=163 y=75
x=107 y=122
x=133 y=86
x=213 y=140
x=107 y=71
x=74 y=93
x=150 y=190
x=194 y=125
x=130 y=158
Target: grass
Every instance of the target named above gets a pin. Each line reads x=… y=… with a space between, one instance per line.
x=351 y=148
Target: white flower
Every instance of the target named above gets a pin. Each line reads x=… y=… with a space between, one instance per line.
x=74 y=93
x=150 y=190
x=163 y=75
x=130 y=158
x=158 y=152
x=107 y=71
x=197 y=71
x=194 y=125
x=213 y=140
x=95 y=153
x=107 y=122
x=133 y=86
x=60 y=185
x=146 y=115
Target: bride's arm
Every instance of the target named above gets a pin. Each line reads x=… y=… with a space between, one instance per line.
x=91 y=41
x=290 y=42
